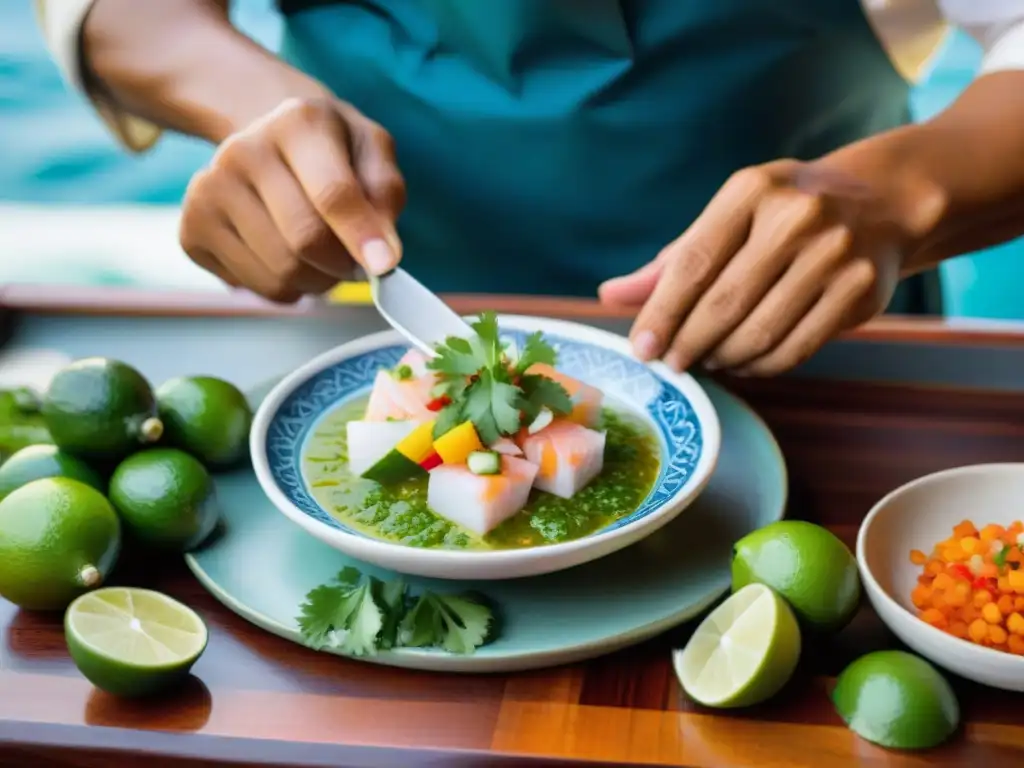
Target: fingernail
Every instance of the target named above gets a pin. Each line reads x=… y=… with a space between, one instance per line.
x=711 y=365
x=645 y=345
x=378 y=257
x=675 y=361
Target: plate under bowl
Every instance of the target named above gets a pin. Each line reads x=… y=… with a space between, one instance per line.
x=918 y=516
x=675 y=405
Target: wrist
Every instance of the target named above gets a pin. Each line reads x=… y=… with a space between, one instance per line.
x=217 y=84
x=911 y=197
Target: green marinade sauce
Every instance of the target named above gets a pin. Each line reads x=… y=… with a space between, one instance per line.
x=400 y=513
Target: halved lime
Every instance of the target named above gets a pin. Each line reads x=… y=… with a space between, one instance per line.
x=133 y=642
x=743 y=652
x=897 y=700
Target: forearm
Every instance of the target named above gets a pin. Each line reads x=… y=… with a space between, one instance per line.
x=182 y=65
x=955 y=184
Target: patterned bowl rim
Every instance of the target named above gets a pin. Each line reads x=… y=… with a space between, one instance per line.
x=682 y=388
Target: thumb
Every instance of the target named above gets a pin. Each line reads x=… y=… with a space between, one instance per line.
x=634 y=289
x=376 y=166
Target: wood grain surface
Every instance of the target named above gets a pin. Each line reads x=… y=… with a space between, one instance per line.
x=257 y=699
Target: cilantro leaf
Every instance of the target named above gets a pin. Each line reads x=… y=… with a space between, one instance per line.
x=540 y=392
x=317 y=614
x=391 y=597
x=487 y=343
x=343 y=615
x=363 y=621
x=421 y=626
x=458 y=624
x=349 y=577
x=360 y=615
x=493 y=407
x=455 y=358
x=535 y=350
x=448 y=418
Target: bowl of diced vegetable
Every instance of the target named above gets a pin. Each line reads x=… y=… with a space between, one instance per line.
x=531 y=447
x=942 y=561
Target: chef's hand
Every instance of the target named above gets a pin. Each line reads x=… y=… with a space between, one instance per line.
x=783 y=258
x=288 y=205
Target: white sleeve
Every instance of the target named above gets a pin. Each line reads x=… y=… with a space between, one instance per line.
x=61 y=25
x=997 y=25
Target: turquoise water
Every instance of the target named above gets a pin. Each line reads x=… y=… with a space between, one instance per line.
x=54 y=150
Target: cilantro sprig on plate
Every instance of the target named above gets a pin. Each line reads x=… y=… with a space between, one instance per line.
x=361 y=615
x=483 y=385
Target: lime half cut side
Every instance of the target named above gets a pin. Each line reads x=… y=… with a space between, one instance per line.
x=743 y=652
x=133 y=642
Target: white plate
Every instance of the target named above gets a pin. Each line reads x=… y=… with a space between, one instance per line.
x=675 y=405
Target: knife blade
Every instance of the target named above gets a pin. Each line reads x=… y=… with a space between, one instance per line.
x=415 y=311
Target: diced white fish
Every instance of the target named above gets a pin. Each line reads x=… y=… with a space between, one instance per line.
x=370 y=441
x=568 y=456
x=506 y=446
x=394 y=399
x=586 y=399
x=480 y=503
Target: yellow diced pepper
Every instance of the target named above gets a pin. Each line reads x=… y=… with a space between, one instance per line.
x=419 y=443
x=455 y=445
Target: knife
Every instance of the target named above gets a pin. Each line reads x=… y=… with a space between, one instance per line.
x=415 y=311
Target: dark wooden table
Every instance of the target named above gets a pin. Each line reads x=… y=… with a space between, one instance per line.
x=849 y=434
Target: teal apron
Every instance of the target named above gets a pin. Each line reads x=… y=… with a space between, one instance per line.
x=551 y=144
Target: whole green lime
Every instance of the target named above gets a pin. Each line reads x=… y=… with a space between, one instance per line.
x=58 y=539
x=101 y=409
x=165 y=498
x=38 y=461
x=808 y=565
x=896 y=700
x=207 y=417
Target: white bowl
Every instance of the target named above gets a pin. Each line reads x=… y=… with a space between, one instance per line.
x=917 y=516
x=675 y=405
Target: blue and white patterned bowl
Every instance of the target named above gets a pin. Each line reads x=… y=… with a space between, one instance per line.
x=675 y=405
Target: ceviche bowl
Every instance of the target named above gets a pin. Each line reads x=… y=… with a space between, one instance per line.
x=300 y=456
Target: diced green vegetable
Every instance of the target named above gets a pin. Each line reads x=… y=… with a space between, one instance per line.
x=484 y=462
x=393 y=467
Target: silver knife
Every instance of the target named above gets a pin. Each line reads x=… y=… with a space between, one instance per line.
x=415 y=311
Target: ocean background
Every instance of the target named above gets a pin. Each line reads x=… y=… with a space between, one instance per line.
x=75 y=208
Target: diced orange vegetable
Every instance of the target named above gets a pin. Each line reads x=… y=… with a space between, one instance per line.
x=958 y=629
x=943 y=581
x=921 y=595
x=970 y=544
x=971 y=585
x=455 y=445
x=997 y=634
x=990 y=532
x=957 y=597
x=1015 y=623
x=978 y=630
x=965 y=528
x=1005 y=604
x=1016 y=644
